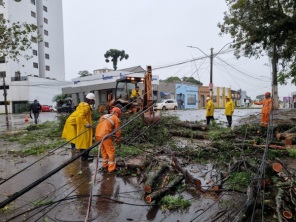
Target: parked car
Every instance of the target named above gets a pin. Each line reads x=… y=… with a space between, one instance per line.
x=52 y=108
x=166 y=104
x=45 y=108
x=65 y=108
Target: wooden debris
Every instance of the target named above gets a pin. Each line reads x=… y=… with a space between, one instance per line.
x=287 y=214
x=189 y=134
x=188 y=177
x=162 y=191
x=150 y=182
x=277 y=167
x=192 y=126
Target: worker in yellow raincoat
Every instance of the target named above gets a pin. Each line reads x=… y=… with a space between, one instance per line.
x=78 y=126
x=229 y=108
x=135 y=94
x=107 y=124
x=266 y=108
x=210 y=110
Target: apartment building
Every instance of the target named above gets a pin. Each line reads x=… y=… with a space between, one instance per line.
x=42 y=76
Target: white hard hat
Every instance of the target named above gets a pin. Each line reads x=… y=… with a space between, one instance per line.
x=91 y=96
x=208 y=98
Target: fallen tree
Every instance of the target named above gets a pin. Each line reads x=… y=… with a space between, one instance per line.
x=162 y=191
x=188 y=177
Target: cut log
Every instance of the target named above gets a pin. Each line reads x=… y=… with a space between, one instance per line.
x=292 y=175
x=191 y=134
x=150 y=182
x=277 y=167
x=193 y=126
x=161 y=192
x=188 y=177
x=287 y=214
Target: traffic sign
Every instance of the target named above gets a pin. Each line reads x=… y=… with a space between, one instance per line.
x=2 y=74
x=6 y=87
x=211 y=85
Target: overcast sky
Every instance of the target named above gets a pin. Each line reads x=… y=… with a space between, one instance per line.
x=157 y=33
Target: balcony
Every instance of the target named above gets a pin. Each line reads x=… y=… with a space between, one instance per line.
x=21 y=78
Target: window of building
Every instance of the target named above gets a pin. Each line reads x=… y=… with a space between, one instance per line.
x=45 y=20
x=33 y=14
x=191 y=99
x=33 y=2
x=47 y=68
x=47 y=56
x=46 y=44
x=44 y=8
x=34 y=52
x=45 y=32
x=35 y=65
x=17 y=74
x=2 y=59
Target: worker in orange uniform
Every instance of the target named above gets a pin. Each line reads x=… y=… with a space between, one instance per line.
x=210 y=110
x=78 y=126
x=109 y=123
x=266 y=108
x=229 y=108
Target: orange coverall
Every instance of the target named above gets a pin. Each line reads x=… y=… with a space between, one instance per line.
x=107 y=124
x=266 y=108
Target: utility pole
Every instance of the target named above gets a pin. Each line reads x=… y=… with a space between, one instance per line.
x=211 y=85
x=3 y=75
x=5 y=96
x=211 y=75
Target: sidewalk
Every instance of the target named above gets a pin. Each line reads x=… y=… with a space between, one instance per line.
x=17 y=121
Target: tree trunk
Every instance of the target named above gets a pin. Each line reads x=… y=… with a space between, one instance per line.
x=192 y=134
x=274 y=61
x=188 y=177
x=152 y=178
x=193 y=126
x=161 y=192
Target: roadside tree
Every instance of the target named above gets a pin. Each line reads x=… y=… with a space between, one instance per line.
x=191 y=80
x=115 y=55
x=173 y=79
x=84 y=73
x=264 y=27
x=16 y=38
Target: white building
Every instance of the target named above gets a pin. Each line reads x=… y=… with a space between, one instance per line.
x=42 y=76
x=104 y=83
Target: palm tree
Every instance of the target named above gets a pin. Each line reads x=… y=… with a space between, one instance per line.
x=115 y=54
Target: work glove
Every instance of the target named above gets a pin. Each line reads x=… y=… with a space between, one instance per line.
x=87 y=125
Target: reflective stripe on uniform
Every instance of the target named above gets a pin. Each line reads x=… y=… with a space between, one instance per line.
x=110 y=163
x=107 y=116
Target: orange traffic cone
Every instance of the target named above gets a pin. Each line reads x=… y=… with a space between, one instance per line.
x=26 y=118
